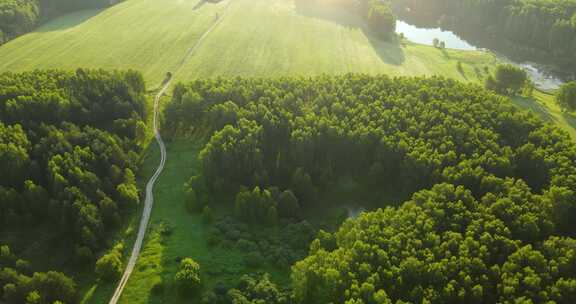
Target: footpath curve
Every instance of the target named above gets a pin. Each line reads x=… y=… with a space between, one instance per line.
x=149 y=200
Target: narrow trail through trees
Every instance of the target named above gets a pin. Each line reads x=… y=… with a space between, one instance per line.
x=149 y=200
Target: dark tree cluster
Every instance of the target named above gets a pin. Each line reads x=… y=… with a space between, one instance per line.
x=494 y=226
x=18 y=17
x=68 y=153
x=21 y=285
x=280 y=249
x=252 y=289
x=542 y=30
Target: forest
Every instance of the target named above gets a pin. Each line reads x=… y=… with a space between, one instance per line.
x=542 y=30
x=18 y=17
x=493 y=209
x=69 y=151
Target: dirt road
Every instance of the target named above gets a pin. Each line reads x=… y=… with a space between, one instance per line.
x=149 y=200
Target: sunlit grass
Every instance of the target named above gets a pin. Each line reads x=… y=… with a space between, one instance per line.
x=256 y=38
x=277 y=38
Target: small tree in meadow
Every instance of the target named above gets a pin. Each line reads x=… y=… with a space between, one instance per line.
x=188 y=276
x=566 y=96
x=507 y=79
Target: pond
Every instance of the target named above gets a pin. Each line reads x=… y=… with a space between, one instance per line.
x=541 y=77
x=427 y=35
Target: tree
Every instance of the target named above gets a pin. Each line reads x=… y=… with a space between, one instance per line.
x=381 y=19
x=507 y=79
x=207 y=215
x=188 y=276
x=33 y=298
x=563 y=204
x=109 y=266
x=288 y=205
x=566 y=96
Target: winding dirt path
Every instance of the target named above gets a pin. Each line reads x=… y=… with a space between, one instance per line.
x=148 y=203
x=149 y=200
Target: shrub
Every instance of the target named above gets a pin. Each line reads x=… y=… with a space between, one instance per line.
x=188 y=276
x=109 y=267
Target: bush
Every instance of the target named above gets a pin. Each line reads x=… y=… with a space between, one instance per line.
x=207 y=215
x=507 y=79
x=188 y=276
x=158 y=288
x=109 y=267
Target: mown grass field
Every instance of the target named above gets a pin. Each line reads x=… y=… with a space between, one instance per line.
x=255 y=38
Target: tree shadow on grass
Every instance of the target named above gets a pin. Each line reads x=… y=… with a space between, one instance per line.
x=388 y=50
x=68 y=21
x=570 y=119
x=531 y=104
x=199 y=4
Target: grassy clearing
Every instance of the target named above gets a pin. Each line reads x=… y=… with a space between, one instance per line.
x=256 y=38
x=175 y=234
x=545 y=107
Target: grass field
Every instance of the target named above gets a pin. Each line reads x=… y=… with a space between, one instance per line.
x=278 y=37
x=148 y=35
x=255 y=38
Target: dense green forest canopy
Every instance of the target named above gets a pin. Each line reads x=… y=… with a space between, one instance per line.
x=21 y=16
x=493 y=225
x=21 y=285
x=68 y=153
x=543 y=30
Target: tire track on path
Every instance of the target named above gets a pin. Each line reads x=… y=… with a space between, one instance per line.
x=149 y=200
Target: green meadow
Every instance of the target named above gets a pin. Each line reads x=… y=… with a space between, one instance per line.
x=254 y=38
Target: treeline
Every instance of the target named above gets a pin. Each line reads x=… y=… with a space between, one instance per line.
x=493 y=227
x=21 y=285
x=18 y=17
x=410 y=133
x=68 y=153
x=543 y=30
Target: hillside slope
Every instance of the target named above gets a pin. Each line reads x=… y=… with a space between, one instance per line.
x=256 y=38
